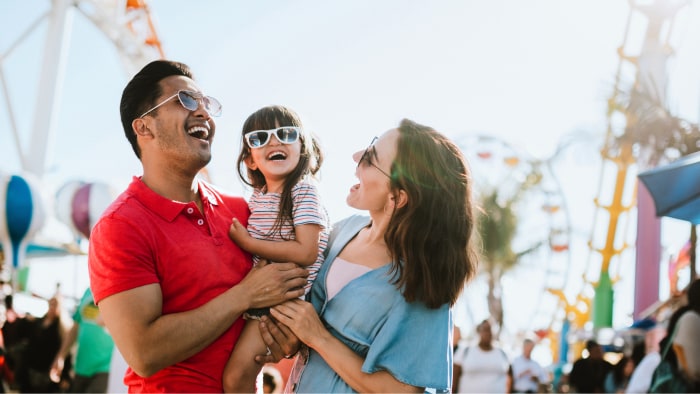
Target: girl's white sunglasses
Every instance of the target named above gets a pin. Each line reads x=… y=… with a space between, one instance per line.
x=260 y=138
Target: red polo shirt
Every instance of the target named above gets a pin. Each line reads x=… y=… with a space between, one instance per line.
x=144 y=238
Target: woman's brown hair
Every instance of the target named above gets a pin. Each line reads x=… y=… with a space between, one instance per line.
x=430 y=237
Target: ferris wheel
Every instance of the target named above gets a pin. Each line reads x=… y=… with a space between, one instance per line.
x=510 y=177
x=44 y=33
x=128 y=26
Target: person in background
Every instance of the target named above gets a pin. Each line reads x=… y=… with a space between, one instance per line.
x=483 y=368
x=528 y=374
x=640 y=381
x=379 y=317
x=588 y=374
x=46 y=336
x=171 y=286
x=456 y=337
x=617 y=379
x=93 y=353
x=686 y=341
x=272 y=380
x=15 y=334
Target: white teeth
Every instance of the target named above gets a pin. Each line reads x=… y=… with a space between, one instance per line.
x=275 y=153
x=199 y=129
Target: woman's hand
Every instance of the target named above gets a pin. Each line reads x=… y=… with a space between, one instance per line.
x=302 y=319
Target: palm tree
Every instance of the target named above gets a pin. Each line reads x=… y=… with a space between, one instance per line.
x=497 y=223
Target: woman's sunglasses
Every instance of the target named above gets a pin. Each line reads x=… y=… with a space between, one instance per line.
x=260 y=138
x=190 y=100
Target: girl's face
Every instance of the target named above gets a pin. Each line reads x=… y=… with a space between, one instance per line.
x=275 y=161
x=373 y=192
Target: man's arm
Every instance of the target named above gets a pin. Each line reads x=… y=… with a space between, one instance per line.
x=151 y=341
x=66 y=347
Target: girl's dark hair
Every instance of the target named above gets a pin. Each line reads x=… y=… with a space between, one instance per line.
x=142 y=91
x=310 y=159
x=430 y=237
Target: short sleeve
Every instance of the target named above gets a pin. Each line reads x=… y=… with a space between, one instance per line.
x=308 y=208
x=459 y=354
x=118 y=259
x=415 y=330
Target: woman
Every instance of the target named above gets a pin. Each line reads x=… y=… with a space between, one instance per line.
x=379 y=318
x=45 y=338
x=685 y=341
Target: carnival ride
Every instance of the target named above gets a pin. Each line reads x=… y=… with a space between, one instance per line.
x=634 y=140
x=128 y=26
x=586 y=306
x=508 y=181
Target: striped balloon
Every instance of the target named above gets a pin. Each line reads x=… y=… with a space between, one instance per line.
x=80 y=204
x=22 y=214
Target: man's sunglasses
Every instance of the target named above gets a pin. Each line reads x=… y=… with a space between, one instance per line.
x=260 y=138
x=190 y=100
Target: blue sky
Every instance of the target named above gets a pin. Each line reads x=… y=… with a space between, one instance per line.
x=528 y=73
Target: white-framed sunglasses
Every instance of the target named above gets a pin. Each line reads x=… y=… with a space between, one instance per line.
x=190 y=101
x=260 y=138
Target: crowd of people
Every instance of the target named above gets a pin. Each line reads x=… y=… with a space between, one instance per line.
x=199 y=289
x=55 y=353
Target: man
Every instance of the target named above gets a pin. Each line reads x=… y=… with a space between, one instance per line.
x=169 y=282
x=640 y=381
x=94 y=351
x=483 y=368
x=588 y=374
x=528 y=374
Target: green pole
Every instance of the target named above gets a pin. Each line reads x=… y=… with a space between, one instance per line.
x=603 y=302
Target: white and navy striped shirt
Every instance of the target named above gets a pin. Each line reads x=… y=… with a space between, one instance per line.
x=306 y=209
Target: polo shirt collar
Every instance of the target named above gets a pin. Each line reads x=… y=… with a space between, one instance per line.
x=166 y=208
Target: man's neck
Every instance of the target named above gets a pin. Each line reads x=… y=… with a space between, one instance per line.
x=173 y=186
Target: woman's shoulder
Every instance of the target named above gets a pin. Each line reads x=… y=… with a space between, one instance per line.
x=350 y=223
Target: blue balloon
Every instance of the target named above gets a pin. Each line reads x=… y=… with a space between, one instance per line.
x=19 y=208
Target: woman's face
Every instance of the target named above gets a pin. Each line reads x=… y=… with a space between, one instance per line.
x=373 y=192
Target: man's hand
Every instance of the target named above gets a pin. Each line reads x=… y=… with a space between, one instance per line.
x=272 y=284
x=279 y=339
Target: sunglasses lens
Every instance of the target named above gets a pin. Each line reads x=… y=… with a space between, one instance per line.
x=188 y=100
x=287 y=135
x=212 y=105
x=257 y=139
x=191 y=103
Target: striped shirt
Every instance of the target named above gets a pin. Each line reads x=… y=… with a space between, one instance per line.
x=306 y=209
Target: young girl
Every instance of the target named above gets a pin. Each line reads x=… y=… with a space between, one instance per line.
x=287 y=221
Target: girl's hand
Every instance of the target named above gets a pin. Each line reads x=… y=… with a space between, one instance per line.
x=301 y=317
x=238 y=233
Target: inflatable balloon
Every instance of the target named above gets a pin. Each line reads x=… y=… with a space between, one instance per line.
x=63 y=204
x=22 y=215
x=80 y=204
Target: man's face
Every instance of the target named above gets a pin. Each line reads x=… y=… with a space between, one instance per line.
x=485 y=332
x=176 y=135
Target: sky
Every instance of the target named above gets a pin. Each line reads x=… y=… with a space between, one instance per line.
x=529 y=74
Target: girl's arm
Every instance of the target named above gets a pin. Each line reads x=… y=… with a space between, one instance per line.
x=303 y=250
x=302 y=319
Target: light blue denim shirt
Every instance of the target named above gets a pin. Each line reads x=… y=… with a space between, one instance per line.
x=369 y=315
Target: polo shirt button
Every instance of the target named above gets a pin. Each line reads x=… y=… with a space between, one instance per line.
x=190 y=210
x=200 y=222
